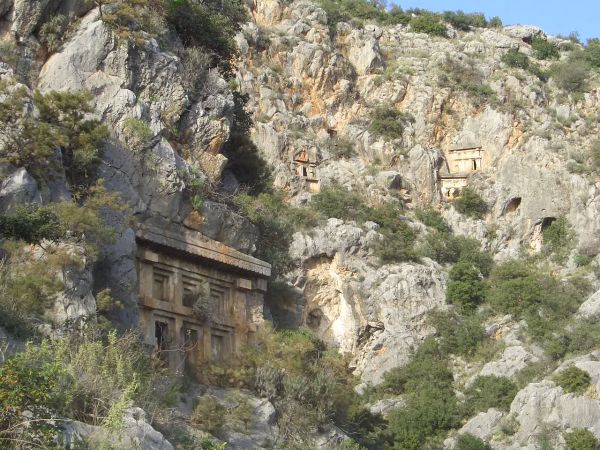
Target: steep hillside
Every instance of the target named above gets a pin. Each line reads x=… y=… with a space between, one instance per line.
x=424 y=186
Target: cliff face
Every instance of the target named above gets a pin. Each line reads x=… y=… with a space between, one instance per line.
x=314 y=89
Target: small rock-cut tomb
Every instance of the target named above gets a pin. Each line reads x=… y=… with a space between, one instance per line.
x=305 y=167
x=199 y=299
x=461 y=163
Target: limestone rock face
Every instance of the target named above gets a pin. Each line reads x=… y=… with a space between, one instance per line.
x=512 y=360
x=591 y=307
x=17 y=188
x=378 y=314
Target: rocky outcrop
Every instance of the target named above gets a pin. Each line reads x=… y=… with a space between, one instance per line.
x=135 y=432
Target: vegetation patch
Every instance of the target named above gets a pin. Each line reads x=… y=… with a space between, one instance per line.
x=487 y=392
x=389 y=123
x=573 y=380
x=471 y=204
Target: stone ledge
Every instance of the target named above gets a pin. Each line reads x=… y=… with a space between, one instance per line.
x=194 y=243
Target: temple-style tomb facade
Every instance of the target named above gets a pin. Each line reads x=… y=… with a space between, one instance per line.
x=199 y=299
x=461 y=163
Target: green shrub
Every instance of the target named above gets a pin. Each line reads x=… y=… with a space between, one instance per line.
x=447 y=248
x=276 y=222
x=458 y=334
x=465 y=77
x=470 y=204
x=544 y=49
x=52 y=32
x=571 y=76
x=339 y=203
x=209 y=414
x=61 y=122
x=138 y=133
x=466 y=287
x=388 y=122
x=545 y=302
x=134 y=20
x=487 y=392
x=470 y=442
x=211 y=25
x=31 y=223
x=308 y=384
x=428 y=23
x=84 y=378
x=573 y=380
x=495 y=22
x=592 y=52
x=581 y=439
x=341 y=148
x=464 y=22
x=515 y=58
x=558 y=237
x=347 y=10
x=432 y=218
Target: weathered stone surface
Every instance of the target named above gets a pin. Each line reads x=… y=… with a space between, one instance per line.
x=136 y=432
x=544 y=406
x=387 y=405
x=591 y=307
x=17 y=188
x=513 y=359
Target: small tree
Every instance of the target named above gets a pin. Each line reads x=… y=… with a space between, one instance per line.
x=544 y=49
x=466 y=287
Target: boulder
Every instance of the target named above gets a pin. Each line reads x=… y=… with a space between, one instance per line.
x=135 y=432
x=591 y=307
x=17 y=188
x=513 y=359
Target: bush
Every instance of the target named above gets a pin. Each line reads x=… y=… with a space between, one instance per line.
x=31 y=223
x=470 y=204
x=447 y=248
x=458 y=334
x=388 y=122
x=544 y=49
x=276 y=222
x=487 y=392
x=52 y=32
x=308 y=384
x=210 y=25
x=339 y=203
x=545 y=302
x=515 y=58
x=346 y=10
x=31 y=142
x=592 y=52
x=466 y=287
x=341 y=148
x=581 y=439
x=573 y=380
x=84 y=378
x=138 y=133
x=470 y=442
x=558 y=237
x=571 y=76
x=464 y=22
x=428 y=23
x=431 y=408
x=209 y=414
x=432 y=218
x=466 y=77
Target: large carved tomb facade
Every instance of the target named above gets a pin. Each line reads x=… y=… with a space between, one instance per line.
x=199 y=300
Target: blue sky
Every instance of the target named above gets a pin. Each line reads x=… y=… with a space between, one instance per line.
x=553 y=16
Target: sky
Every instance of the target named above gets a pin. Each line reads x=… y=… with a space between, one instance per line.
x=553 y=16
